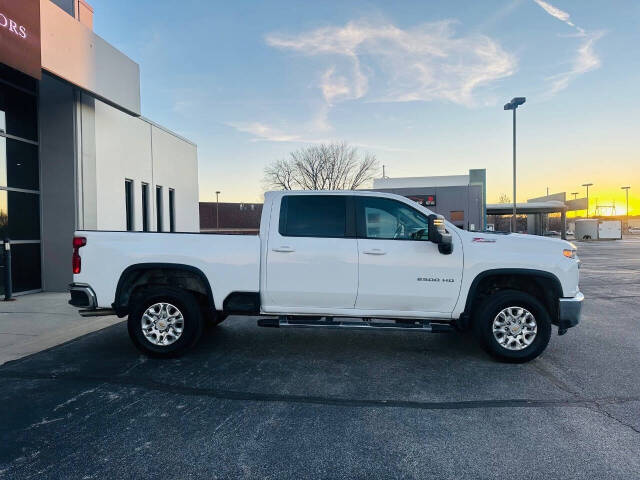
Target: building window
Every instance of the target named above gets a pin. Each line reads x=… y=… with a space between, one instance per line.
x=128 y=195
x=158 y=208
x=145 y=207
x=172 y=210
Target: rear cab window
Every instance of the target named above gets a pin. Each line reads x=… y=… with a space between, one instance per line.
x=328 y=216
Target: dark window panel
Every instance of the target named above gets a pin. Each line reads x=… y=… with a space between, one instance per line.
x=19 y=215
x=18 y=113
x=18 y=78
x=128 y=202
x=18 y=164
x=145 y=207
x=159 y=209
x=172 y=210
x=314 y=216
x=25 y=267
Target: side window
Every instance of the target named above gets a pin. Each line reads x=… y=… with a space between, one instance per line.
x=313 y=216
x=159 y=212
x=128 y=204
x=387 y=219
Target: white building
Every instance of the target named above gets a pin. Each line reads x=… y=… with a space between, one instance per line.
x=75 y=152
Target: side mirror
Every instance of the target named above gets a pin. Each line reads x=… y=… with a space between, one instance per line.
x=438 y=234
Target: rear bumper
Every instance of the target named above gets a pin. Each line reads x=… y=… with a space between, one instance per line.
x=569 y=311
x=82 y=296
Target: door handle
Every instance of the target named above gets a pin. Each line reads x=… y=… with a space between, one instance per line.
x=374 y=251
x=284 y=249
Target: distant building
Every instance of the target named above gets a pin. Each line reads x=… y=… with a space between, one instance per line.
x=546 y=215
x=461 y=199
x=230 y=217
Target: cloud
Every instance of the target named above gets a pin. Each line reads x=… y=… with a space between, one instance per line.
x=381 y=62
x=261 y=131
x=555 y=12
x=387 y=63
x=264 y=132
x=560 y=15
x=585 y=60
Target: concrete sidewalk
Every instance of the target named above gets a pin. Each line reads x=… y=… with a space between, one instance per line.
x=42 y=320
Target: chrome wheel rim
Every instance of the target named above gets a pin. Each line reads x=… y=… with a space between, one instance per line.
x=162 y=324
x=515 y=328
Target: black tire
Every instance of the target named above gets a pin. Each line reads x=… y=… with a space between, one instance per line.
x=492 y=306
x=188 y=306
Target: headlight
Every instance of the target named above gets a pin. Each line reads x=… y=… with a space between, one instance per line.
x=569 y=252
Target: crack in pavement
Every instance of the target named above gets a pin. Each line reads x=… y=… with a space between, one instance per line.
x=332 y=401
x=597 y=406
x=600 y=409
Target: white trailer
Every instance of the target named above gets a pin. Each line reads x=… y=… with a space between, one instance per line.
x=586 y=229
x=610 y=230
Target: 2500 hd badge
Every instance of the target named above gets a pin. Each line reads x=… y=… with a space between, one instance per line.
x=435 y=279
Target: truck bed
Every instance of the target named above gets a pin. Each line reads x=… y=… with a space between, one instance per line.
x=230 y=262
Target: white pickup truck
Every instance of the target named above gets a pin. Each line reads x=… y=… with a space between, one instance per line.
x=342 y=260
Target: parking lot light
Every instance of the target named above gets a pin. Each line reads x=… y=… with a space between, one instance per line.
x=513 y=105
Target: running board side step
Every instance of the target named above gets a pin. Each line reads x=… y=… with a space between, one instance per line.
x=417 y=326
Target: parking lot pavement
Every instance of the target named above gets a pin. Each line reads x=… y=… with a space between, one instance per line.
x=38 y=321
x=268 y=403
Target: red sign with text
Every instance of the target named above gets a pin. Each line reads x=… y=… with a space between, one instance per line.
x=20 y=35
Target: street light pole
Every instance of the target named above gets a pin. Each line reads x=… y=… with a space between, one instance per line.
x=217 y=211
x=626 y=189
x=587 y=185
x=513 y=105
x=514 y=217
x=575 y=195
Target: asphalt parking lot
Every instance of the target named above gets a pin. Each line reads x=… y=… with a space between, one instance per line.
x=265 y=403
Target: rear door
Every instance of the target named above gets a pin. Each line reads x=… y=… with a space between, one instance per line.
x=399 y=269
x=312 y=255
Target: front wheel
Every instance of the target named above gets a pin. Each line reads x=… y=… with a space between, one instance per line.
x=164 y=321
x=513 y=326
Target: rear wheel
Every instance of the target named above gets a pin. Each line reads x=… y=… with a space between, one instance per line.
x=513 y=326
x=164 y=321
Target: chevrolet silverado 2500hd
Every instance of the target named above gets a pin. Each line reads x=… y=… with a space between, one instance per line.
x=347 y=259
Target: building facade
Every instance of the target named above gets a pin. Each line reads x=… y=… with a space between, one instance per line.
x=75 y=152
x=461 y=199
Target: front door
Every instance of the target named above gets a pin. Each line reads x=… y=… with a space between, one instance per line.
x=399 y=269
x=312 y=255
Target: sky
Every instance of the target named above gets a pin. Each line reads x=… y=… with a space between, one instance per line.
x=420 y=84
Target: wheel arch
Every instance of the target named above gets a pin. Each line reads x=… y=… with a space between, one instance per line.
x=178 y=275
x=545 y=286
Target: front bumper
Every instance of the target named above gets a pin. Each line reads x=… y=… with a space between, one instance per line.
x=569 y=311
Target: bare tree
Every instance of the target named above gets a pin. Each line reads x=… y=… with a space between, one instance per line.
x=335 y=166
x=504 y=198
